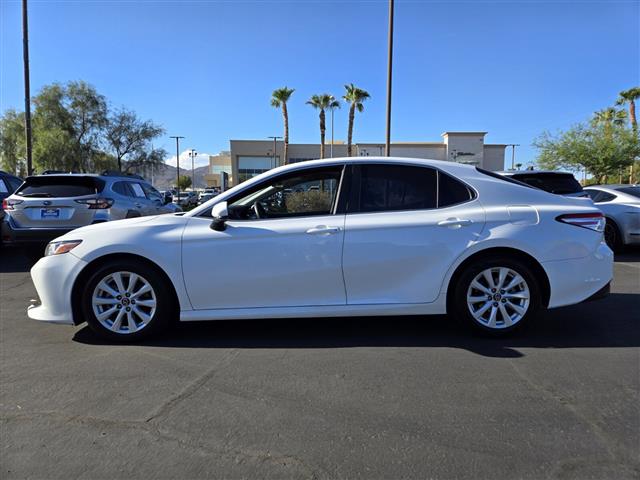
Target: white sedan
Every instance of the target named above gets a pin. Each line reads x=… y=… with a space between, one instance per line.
x=341 y=237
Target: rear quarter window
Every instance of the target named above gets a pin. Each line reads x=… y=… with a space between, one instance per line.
x=53 y=186
x=452 y=191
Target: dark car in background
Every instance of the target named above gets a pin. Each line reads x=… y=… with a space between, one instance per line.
x=8 y=184
x=560 y=183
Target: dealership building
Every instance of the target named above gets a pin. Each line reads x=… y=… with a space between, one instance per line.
x=247 y=158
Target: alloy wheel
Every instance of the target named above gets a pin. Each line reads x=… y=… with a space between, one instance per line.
x=498 y=297
x=124 y=302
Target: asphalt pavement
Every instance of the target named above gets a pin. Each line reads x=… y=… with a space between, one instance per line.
x=400 y=397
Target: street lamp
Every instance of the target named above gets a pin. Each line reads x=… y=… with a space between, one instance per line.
x=275 y=138
x=177 y=166
x=193 y=154
x=389 y=75
x=513 y=154
x=332 y=108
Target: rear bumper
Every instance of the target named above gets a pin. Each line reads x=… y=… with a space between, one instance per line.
x=576 y=280
x=11 y=234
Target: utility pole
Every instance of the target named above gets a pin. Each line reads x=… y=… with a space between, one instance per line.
x=513 y=154
x=177 y=167
x=275 y=138
x=332 y=109
x=387 y=149
x=193 y=154
x=27 y=86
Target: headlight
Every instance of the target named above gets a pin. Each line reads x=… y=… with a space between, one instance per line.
x=56 y=248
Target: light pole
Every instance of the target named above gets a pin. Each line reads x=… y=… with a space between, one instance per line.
x=27 y=85
x=193 y=155
x=275 y=138
x=513 y=154
x=177 y=166
x=332 y=99
x=387 y=148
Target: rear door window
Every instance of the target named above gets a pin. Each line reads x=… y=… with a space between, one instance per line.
x=122 y=188
x=395 y=187
x=51 y=186
x=3 y=186
x=452 y=191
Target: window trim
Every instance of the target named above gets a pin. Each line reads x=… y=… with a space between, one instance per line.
x=334 y=209
x=356 y=177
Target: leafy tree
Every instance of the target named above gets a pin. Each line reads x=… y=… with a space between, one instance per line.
x=12 y=147
x=355 y=96
x=609 y=117
x=322 y=102
x=279 y=99
x=603 y=149
x=184 y=182
x=129 y=138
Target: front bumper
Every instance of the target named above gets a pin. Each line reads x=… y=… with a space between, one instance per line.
x=53 y=278
x=576 y=280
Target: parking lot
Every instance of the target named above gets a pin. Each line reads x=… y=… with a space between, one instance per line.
x=340 y=398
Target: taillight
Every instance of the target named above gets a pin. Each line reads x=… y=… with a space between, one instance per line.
x=593 y=220
x=97 y=203
x=8 y=203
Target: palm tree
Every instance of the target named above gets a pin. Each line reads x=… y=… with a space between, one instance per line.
x=322 y=102
x=279 y=98
x=609 y=117
x=355 y=96
x=630 y=96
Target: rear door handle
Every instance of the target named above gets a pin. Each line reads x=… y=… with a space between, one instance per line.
x=455 y=222
x=323 y=230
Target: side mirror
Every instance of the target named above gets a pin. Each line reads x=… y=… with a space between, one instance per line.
x=220 y=215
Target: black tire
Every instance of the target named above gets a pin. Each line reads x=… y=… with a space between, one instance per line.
x=462 y=310
x=165 y=308
x=612 y=235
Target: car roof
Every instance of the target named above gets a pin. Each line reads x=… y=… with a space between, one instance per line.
x=532 y=172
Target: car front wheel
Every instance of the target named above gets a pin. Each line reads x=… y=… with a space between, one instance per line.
x=127 y=301
x=497 y=296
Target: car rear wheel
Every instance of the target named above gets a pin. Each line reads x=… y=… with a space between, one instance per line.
x=612 y=235
x=127 y=301
x=497 y=296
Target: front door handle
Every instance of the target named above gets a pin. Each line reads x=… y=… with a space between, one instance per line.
x=455 y=222
x=323 y=230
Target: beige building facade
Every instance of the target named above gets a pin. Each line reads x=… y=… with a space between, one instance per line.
x=248 y=158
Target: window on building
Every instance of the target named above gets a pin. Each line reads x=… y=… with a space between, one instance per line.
x=250 y=166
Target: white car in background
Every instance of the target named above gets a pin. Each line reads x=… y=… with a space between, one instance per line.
x=341 y=237
x=621 y=207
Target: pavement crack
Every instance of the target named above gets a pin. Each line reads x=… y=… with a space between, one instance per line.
x=593 y=425
x=191 y=388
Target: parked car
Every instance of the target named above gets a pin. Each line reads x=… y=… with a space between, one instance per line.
x=8 y=184
x=380 y=236
x=560 y=183
x=205 y=197
x=621 y=207
x=167 y=195
x=186 y=199
x=46 y=206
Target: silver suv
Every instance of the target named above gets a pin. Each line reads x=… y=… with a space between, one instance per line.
x=47 y=206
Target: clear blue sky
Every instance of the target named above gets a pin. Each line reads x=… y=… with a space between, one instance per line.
x=206 y=70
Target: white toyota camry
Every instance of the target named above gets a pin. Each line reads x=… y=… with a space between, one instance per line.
x=341 y=237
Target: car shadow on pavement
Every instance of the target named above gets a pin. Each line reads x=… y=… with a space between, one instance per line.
x=15 y=260
x=611 y=322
